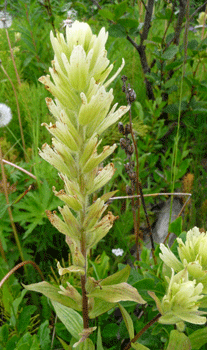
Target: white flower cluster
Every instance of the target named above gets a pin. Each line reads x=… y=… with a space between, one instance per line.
x=118 y=252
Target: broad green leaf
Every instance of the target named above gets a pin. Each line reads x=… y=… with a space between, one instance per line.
x=44 y=335
x=193 y=44
x=128 y=22
x=145 y=284
x=99 y=340
x=52 y=292
x=170 y=53
x=198 y=338
x=4 y=333
x=117 y=31
x=138 y=346
x=105 y=13
x=117 y=292
x=35 y=343
x=24 y=318
x=120 y=9
x=128 y=321
x=118 y=277
x=178 y=341
x=86 y=345
x=100 y=307
x=70 y=318
x=176 y=226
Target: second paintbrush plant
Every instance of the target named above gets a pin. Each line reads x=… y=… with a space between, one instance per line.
x=82 y=110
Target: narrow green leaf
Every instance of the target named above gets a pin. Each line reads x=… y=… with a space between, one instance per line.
x=176 y=226
x=118 y=277
x=178 y=341
x=52 y=292
x=157 y=301
x=198 y=338
x=70 y=318
x=128 y=321
x=64 y=344
x=99 y=340
x=170 y=53
x=138 y=346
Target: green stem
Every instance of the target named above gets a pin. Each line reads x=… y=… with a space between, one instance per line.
x=18 y=111
x=84 y=277
x=12 y=56
x=143 y=330
x=4 y=180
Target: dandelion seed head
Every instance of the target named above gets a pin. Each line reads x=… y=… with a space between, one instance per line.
x=5 y=115
x=5 y=20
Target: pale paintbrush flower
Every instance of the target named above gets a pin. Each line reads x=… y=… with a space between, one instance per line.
x=193 y=256
x=181 y=301
x=83 y=110
x=5 y=115
x=202 y=18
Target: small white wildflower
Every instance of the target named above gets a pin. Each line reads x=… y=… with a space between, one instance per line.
x=17 y=36
x=118 y=252
x=71 y=16
x=5 y=20
x=5 y=115
x=72 y=13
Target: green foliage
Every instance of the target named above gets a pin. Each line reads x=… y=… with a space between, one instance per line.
x=30 y=212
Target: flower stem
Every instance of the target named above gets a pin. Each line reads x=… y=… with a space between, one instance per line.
x=138 y=335
x=84 y=302
x=4 y=180
x=12 y=56
x=83 y=281
x=18 y=111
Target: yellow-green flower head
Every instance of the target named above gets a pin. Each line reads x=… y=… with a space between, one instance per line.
x=181 y=301
x=202 y=18
x=82 y=106
x=193 y=256
x=194 y=247
x=82 y=110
